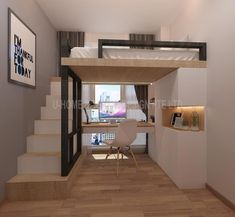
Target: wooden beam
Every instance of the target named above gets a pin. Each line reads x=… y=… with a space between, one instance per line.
x=65 y=61
x=125 y=70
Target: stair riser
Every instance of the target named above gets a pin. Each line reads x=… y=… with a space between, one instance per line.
x=55 y=102
x=43 y=143
x=38 y=164
x=49 y=127
x=56 y=89
x=50 y=113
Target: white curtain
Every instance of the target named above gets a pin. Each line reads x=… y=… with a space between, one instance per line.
x=86 y=94
x=130 y=96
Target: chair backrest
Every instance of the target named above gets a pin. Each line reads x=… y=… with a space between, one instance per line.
x=126 y=133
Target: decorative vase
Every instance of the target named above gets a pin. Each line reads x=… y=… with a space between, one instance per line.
x=195 y=121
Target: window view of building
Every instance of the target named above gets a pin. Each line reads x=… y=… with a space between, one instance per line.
x=107 y=93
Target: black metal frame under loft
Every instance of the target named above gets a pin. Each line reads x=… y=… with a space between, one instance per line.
x=68 y=155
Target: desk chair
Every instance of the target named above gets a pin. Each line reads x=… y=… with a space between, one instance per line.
x=125 y=135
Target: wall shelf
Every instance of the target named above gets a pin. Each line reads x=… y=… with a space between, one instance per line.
x=186 y=111
x=184 y=130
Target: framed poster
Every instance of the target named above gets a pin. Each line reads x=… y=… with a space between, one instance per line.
x=22 y=52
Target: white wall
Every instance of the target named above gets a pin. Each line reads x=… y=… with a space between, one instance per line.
x=213 y=21
x=20 y=106
x=181 y=154
x=91 y=38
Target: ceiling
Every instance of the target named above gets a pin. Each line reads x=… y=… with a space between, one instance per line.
x=112 y=16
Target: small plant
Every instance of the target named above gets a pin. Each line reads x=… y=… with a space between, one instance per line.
x=195 y=120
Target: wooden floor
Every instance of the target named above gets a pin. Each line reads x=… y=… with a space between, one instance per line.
x=145 y=192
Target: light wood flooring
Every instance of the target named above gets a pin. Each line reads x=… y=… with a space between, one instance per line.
x=142 y=192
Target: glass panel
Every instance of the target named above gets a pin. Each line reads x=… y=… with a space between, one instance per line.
x=70 y=105
x=74 y=144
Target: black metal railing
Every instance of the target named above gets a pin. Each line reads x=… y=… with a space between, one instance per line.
x=201 y=46
x=71 y=139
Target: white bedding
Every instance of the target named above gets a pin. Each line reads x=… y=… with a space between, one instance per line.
x=127 y=53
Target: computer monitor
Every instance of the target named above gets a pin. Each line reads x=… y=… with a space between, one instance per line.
x=112 y=110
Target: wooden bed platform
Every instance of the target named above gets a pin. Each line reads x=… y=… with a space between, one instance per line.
x=134 y=71
x=125 y=70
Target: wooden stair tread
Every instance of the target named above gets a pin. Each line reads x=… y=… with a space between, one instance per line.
x=41 y=154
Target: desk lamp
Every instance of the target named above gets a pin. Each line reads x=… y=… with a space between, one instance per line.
x=90 y=105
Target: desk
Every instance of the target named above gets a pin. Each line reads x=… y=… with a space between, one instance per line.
x=142 y=127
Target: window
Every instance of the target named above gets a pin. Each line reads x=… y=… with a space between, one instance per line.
x=107 y=93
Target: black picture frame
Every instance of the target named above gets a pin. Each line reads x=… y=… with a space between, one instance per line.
x=10 y=79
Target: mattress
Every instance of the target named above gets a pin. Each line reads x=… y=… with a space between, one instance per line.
x=127 y=53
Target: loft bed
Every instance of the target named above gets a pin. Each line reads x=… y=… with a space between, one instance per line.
x=101 y=65
x=112 y=70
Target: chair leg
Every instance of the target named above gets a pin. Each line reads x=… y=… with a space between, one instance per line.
x=133 y=156
x=109 y=153
x=118 y=160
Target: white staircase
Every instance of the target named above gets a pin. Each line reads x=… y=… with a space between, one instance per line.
x=39 y=169
x=43 y=148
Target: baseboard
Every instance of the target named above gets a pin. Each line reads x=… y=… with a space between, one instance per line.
x=221 y=197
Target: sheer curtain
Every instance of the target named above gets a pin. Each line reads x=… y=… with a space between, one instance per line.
x=86 y=93
x=142 y=97
x=130 y=96
x=133 y=109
